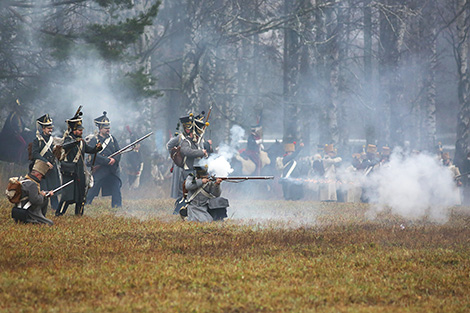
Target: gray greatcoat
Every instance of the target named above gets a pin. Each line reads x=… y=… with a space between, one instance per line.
x=36 y=213
x=191 y=151
x=177 y=179
x=198 y=207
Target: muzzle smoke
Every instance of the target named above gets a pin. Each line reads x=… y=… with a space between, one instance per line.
x=414 y=187
x=219 y=163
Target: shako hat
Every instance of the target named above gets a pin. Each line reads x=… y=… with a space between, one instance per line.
x=102 y=121
x=386 y=150
x=194 y=123
x=201 y=170
x=289 y=147
x=41 y=167
x=44 y=121
x=371 y=148
x=75 y=123
x=329 y=148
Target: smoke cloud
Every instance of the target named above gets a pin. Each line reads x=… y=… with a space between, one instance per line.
x=413 y=187
x=219 y=163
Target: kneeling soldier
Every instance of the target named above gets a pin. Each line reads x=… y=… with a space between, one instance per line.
x=201 y=190
x=32 y=207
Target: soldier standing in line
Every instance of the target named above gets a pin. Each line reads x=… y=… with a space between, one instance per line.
x=105 y=169
x=447 y=162
x=73 y=166
x=465 y=179
x=133 y=166
x=328 y=191
x=385 y=157
x=192 y=146
x=42 y=149
x=177 y=172
x=254 y=147
x=291 y=188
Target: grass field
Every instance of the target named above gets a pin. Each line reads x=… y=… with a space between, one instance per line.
x=307 y=257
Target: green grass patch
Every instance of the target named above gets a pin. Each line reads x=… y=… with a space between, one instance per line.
x=319 y=258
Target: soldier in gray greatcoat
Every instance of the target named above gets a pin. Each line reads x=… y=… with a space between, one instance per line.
x=192 y=146
x=177 y=172
x=200 y=190
x=42 y=149
x=73 y=167
x=33 y=205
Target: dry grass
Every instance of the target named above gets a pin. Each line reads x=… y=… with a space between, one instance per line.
x=326 y=258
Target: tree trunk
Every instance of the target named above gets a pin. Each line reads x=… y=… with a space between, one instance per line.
x=463 y=122
x=391 y=112
x=290 y=77
x=369 y=119
x=430 y=55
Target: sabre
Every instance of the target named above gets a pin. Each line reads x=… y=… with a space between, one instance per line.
x=59 y=188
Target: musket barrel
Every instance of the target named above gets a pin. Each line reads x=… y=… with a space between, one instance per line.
x=59 y=188
x=245 y=177
x=129 y=145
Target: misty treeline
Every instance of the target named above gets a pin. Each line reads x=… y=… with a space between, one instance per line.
x=390 y=72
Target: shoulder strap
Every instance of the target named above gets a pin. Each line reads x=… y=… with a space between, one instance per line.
x=208 y=194
x=294 y=164
x=79 y=152
x=27 y=204
x=47 y=146
x=197 y=192
x=106 y=143
x=185 y=166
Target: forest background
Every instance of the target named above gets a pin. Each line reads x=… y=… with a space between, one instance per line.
x=388 y=72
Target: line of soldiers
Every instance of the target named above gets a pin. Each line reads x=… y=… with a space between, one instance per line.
x=327 y=179
x=57 y=161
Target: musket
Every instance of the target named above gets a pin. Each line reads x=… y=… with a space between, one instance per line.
x=59 y=188
x=461 y=175
x=122 y=150
x=237 y=179
x=207 y=118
